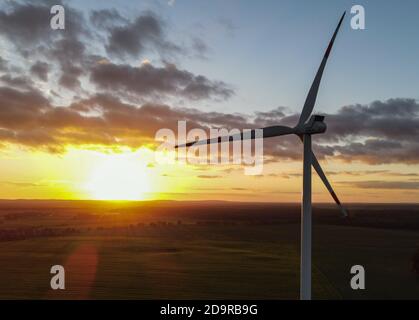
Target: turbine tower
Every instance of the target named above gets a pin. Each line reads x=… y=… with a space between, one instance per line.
x=307 y=126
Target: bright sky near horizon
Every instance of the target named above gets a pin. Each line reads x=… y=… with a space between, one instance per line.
x=79 y=108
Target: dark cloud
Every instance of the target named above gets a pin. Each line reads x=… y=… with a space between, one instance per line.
x=378 y=133
x=106 y=18
x=25 y=23
x=393 y=119
x=26 y=117
x=21 y=82
x=75 y=53
x=145 y=33
x=19 y=109
x=387 y=132
x=69 y=51
x=378 y=151
x=148 y=80
x=40 y=69
x=70 y=55
x=217 y=119
x=3 y=64
x=70 y=77
x=270 y=118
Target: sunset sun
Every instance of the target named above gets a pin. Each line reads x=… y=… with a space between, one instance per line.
x=119 y=177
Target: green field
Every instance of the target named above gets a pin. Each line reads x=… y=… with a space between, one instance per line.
x=131 y=257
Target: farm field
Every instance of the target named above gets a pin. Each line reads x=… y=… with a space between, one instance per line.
x=197 y=251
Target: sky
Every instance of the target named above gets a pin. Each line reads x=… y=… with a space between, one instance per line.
x=80 y=107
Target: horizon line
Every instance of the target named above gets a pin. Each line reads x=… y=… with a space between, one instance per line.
x=199 y=201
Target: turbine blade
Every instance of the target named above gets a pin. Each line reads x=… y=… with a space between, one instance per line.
x=319 y=170
x=268 y=132
x=312 y=94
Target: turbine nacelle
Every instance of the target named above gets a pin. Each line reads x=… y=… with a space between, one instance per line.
x=314 y=125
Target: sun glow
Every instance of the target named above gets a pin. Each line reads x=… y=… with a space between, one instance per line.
x=119 y=177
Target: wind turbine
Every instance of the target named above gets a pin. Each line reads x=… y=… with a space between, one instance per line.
x=305 y=128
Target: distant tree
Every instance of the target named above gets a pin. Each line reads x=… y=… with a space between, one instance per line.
x=415 y=263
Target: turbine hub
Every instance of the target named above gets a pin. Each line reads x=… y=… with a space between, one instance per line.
x=314 y=125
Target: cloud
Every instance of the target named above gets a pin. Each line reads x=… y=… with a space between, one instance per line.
x=377 y=133
x=70 y=77
x=3 y=64
x=73 y=54
x=148 y=80
x=26 y=26
x=27 y=23
x=19 y=108
x=271 y=118
x=361 y=173
x=391 y=185
x=393 y=119
x=143 y=34
x=106 y=18
x=22 y=82
x=381 y=132
x=40 y=69
x=28 y=118
x=200 y=48
x=398 y=174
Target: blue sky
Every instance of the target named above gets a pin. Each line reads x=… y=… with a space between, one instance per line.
x=273 y=49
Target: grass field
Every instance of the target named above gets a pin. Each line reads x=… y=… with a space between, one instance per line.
x=132 y=257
